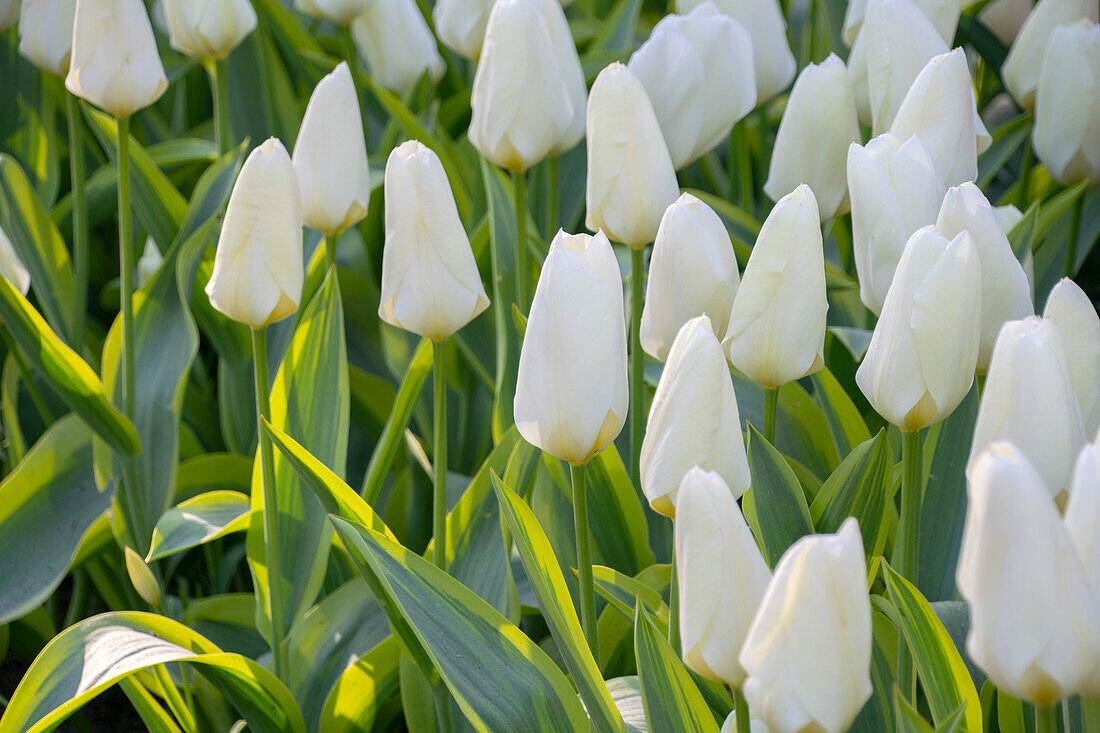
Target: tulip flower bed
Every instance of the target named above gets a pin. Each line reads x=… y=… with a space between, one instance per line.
x=539 y=365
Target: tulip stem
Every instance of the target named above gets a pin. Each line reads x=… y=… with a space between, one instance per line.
x=907 y=543
x=523 y=269
x=80 y=221
x=218 y=81
x=328 y=243
x=1025 y=174
x=584 y=560
x=771 y=408
x=674 y=606
x=1046 y=719
x=126 y=262
x=741 y=711
x=637 y=362
x=439 y=454
x=1074 y=235
x=271 y=506
x=552 y=182
x=740 y=164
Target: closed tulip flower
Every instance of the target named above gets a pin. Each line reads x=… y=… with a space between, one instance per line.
x=697 y=71
x=776 y=332
x=1083 y=522
x=1005 y=18
x=920 y=363
x=1066 y=134
x=940 y=109
x=114 y=63
x=460 y=25
x=571 y=392
x=9 y=13
x=895 y=190
x=693 y=421
x=258 y=269
x=569 y=66
x=722 y=577
x=812 y=143
x=944 y=15
x=1006 y=294
x=337 y=11
x=208 y=28
x=808 y=651
x=1034 y=626
x=1023 y=66
x=12 y=268
x=631 y=180
x=430 y=282
x=149 y=262
x=46 y=33
x=330 y=156
x=398 y=45
x=1072 y=312
x=1028 y=400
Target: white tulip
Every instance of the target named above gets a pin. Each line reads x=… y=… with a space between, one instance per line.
x=1073 y=313
x=46 y=33
x=1066 y=134
x=631 y=180
x=12 y=268
x=398 y=45
x=773 y=61
x=337 y=11
x=1034 y=624
x=1083 y=515
x=1028 y=400
x=944 y=15
x=114 y=63
x=698 y=72
x=569 y=66
x=1005 y=18
x=811 y=145
x=208 y=28
x=460 y=25
x=755 y=725
x=692 y=272
x=258 y=269
x=920 y=363
x=808 y=651
x=1023 y=66
x=1006 y=294
x=940 y=109
x=776 y=331
x=330 y=156
x=722 y=577
x=571 y=392
x=9 y=13
x=895 y=190
x=149 y=262
x=693 y=421
x=430 y=282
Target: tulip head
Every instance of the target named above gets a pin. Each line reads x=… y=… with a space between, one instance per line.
x=722 y=577
x=692 y=272
x=460 y=25
x=46 y=33
x=149 y=262
x=1072 y=312
x=258 y=268
x=571 y=392
x=9 y=13
x=808 y=651
x=1005 y=18
x=208 y=28
x=398 y=45
x=569 y=66
x=1023 y=66
x=631 y=180
x=1083 y=519
x=340 y=12
x=12 y=268
x=114 y=63
x=693 y=421
x=430 y=282
x=944 y=15
x=776 y=330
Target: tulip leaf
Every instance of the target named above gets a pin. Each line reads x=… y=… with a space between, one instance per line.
x=845 y=423
x=801 y=430
x=908 y=719
x=858 y=488
x=943 y=674
x=627 y=694
x=672 y=701
x=199 y=520
x=1022 y=236
x=361 y=691
x=622 y=592
x=778 y=503
x=618 y=516
x=1007 y=139
x=557 y=607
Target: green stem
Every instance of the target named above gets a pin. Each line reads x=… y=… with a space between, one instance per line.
x=740 y=165
x=439 y=454
x=907 y=542
x=1025 y=174
x=329 y=245
x=552 y=204
x=674 y=606
x=584 y=559
x=271 y=506
x=78 y=599
x=741 y=710
x=771 y=408
x=1074 y=235
x=218 y=81
x=637 y=361
x=1046 y=719
x=523 y=268
x=126 y=261
x=80 y=220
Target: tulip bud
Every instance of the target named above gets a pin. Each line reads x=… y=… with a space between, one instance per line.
x=341 y=12
x=569 y=66
x=398 y=45
x=1034 y=624
x=808 y=651
x=1028 y=400
x=1083 y=520
x=571 y=393
x=12 y=268
x=1006 y=294
x=114 y=63
x=920 y=363
x=631 y=180
x=148 y=263
x=697 y=71
x=730 y=725
x=9 y=13
x=776 y=330
x=722 y=577
x=1023 y=66
x=430 y=282
x=460 y=25
x=812 y=143
x=1066 y=133
x=944 y=15
x=46 y=33
x=940 y=109
x=693 y=421
x=1071 y=311
x=773 y=62
x=330 y=156
x=895 y=191
x=520 y=102
x=692 y=272
x=208 y=28
x=1005 y=18
x=258 y=268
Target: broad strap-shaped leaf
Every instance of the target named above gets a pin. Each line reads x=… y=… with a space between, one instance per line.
x=845 y=422
x=502 y=251
x=671 y=699
x=777 y=499
x=627 y=694
x=362 y=690
x=199 y=520
x=618 y=517
x=858 y=488
x=908 y=719
x=622 y=592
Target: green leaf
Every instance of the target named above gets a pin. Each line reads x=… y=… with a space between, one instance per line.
x=1022 y=236
x=362 y=689
x=671 y=699
x=858 y=488
x=780 y=506
x=627 y=694
x=618 y=518
x=908 y=719
x=845 y=422
x=502 y=250
x=623 y=591
x=1007 y=139
x=199 y=520
x=617 y=35
x=86 y=659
